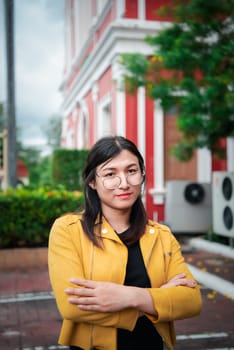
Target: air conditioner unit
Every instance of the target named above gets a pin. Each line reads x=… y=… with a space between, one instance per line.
x=188 y=206
x=223 y=203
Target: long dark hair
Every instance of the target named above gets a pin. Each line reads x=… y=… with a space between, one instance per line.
x=104 y=149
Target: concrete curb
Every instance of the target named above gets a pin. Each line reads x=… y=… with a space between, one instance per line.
x=209 y=280
x=212 y=247
x=213 y=282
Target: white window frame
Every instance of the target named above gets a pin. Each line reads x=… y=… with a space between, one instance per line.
x=101 y=117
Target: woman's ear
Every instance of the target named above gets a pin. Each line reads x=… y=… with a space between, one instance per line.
x=92 y=185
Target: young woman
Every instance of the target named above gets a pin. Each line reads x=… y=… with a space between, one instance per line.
x=119 y=279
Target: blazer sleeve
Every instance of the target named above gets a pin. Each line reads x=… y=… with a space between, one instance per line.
x=174 y=303
x=65 y=262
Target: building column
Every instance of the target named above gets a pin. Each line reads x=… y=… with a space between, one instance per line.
x=158 y=192
x=93 y=133
x=204 y=166
x=120 y=110
x=141 y=9
x=120 y=8
x=141 y=120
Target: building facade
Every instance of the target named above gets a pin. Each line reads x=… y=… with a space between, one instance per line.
x=94 y=103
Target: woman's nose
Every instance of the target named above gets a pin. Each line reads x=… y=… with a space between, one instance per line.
x=123 y=181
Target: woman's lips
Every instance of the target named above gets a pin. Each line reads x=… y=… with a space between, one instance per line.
x=124 y=195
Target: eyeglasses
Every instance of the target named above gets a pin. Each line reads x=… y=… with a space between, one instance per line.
x=111 y=182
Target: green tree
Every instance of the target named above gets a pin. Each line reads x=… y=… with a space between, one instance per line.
x=32 y=159
x=193 y=68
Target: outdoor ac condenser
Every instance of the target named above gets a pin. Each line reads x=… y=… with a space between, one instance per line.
x=188 y=206
x=223 y=203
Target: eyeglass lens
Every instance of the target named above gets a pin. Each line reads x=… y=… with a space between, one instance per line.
x=132 y=179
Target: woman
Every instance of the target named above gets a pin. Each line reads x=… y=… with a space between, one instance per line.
x=119 y=279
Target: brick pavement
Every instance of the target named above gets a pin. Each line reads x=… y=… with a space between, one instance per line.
x=34 y=324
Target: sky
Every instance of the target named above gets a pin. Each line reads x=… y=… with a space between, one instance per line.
x=39 y=59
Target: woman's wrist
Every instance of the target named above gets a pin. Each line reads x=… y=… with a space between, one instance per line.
x=141 y=300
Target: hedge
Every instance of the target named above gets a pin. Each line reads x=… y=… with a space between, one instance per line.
x=26 y=216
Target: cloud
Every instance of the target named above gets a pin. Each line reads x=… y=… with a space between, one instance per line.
x=39 y=40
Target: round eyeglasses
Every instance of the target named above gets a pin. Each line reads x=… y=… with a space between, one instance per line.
x=135 y=178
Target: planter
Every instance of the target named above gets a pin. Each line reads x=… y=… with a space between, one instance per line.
x=22 y=258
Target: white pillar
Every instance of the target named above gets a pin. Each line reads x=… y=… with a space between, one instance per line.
x=94 y=99
x=141 y=11
x=120 y=8
x=120 y=112
x=141 y=120
x=158 y=192
x=204 y=167
x=230 y=153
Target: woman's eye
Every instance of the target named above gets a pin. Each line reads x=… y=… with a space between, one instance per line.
x=132 y=171
x=109 y=175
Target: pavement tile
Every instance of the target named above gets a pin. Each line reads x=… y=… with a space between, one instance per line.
x=21 y=281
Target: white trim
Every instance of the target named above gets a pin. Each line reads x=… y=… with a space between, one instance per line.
x=158 y=192
x=77 y=27
x=204 y=166
x=141 y=120
x=120 y=8
x=139 y=28
x=101 y=123
x=82 y=126
x=121 y=36
x=70 y=139
x=230 y=154
x=95 y=108
x=79 y=125
x=120 y=122
x=120 y=113
x=141 y=11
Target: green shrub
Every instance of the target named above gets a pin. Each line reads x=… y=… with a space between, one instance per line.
x=26 y=216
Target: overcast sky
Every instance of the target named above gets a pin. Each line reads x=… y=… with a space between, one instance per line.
x=39 y=52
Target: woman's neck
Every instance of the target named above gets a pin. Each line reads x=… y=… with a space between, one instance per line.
x=118 y=220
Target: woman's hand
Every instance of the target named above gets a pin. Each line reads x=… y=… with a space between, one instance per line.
x=180 y=280
x=99 y=296
x=108 y=297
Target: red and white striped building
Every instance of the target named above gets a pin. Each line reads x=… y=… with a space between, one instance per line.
x=94 y=105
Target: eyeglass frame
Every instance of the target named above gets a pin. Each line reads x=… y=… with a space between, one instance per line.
x=120 y=178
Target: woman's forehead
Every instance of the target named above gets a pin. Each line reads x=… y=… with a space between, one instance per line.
x=123 y=159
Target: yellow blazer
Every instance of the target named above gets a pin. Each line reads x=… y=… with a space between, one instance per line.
x=72 y=254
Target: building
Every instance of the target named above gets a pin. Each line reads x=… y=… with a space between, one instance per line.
x=22 y=173
x=94 y=105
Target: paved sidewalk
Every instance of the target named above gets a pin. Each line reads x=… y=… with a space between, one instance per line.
x=29 y=319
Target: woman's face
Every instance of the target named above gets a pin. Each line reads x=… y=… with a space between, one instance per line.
x=118 y=181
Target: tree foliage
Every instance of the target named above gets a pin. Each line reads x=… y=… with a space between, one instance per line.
x=192 y=67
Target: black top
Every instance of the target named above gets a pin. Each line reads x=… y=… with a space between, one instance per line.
x=144 y=335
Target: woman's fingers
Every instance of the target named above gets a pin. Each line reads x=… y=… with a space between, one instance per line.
x=180 y=280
